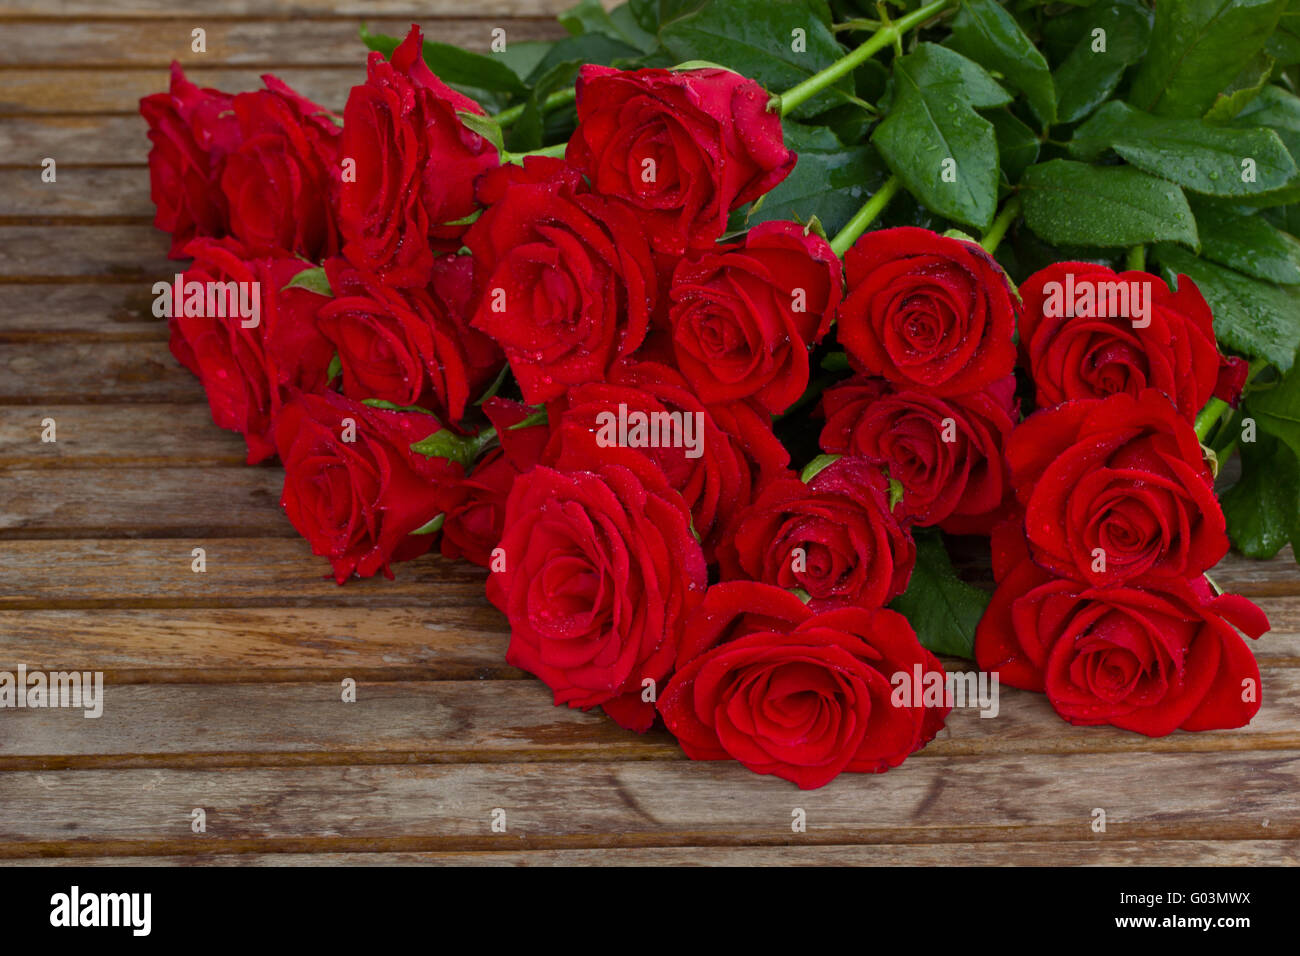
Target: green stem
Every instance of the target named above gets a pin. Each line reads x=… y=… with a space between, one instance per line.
x=518 y=158
x=554 y=101
x=865 y=216
x=798 y=95
x=1136 y=260
x=1215 y=407
x=1000 y=225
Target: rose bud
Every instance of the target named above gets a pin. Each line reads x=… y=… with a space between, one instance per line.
x=926 y=311
x=565 y=280
x=808 y=702
x=1152 y=660
x=1116 y=490
x=408 y=346
x=684 y=147
x=744 y=315
x=1087 y=332
x=192 y=130
x=352 y=485
x=279 y=184
x=413 y=163
x=246 y=363
x=834 y=538
x=601 y=571
x=947 y=453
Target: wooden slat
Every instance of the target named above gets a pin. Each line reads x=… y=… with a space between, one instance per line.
x=60 y=373
x=1098 y=852
x=119 y=193
x=120 y=253
x=98 y=436
x=447 y=641
x=276 y=724
x=121 y=312
x=284 y=9
x=71 y=140
x=260 y=44
x=1226 y=796
x=32 y=92
x=241 y=572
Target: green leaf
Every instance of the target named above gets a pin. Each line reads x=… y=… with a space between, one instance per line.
x=1017 y=145
x=1276 y=410
x=433 y=527
x=1258 y=319
x=445 y=443
x=1075 y=204
x=942 y=609
x=335 y=368
x=830 y=181
x=1284 y=44
x=313 y=280
x=1200 y=156
x=819 y=463
x=589 y=16
x=454 y=65
x=1277 y=109
x=485 y=126
x=1247 y=85
x=755 y=37
x=985 y=32
x=1249 y=244
x=588 y=48
x=1089 y=74
x=1263 y=507
x=932 y=118
x=1197 y=48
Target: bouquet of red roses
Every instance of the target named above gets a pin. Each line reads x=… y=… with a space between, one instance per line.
x=699 y=362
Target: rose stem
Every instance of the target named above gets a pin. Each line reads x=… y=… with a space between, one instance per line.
x=1136 y=260
x=864 y=217
x=885 y=36
x=1215 y=407
x=1000 y=225
x=518 y=158
x=555 y=100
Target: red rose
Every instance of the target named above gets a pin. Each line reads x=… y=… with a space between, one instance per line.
x=834 y=538
x=732 y=609
x=1154 y=660
x=247 y=360
x=743 y=316
x=1086 y=332
x=192 y=130
x=946 y=452
x=412 y=346
x=352 y=486
x=684 y=147
x=927 y=311
x=809 y=702
x=565 y=278
x=601 y=572
x=474 y=521
x=280 y=182
x=1115 y=490
x=415 y=165
x=715 y=456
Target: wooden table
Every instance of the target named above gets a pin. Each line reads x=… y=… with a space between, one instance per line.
x=224 y=687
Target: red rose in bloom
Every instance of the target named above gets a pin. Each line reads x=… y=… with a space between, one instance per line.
x=715 y=456
x=408 y=346
x=732 y=609
x=1153 y=660
x=809 y=702
x=744 y=315
x=927 y=311
x=245 y=369
x=1087 y=332
x=684 y=147
x=474 y=521
x=415 y=166
x=946 y=452
x=565 y=277
x=280 y=181
x=192 y=130
x=352 y=486
x=834 y=538
x=1119 y=480
x=601 y=572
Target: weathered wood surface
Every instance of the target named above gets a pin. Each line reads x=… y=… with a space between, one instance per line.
x=223 y=687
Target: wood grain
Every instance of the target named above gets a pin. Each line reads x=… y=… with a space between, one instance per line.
x=105 y=312
x=285 y=9
x=108 y=436
x=120 y=253
x=42 y=373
